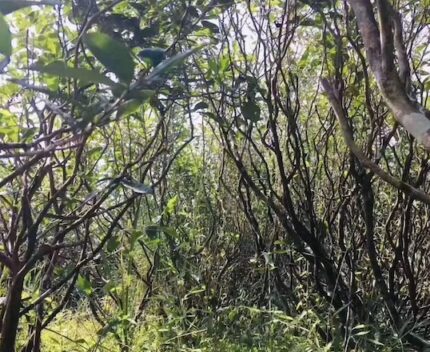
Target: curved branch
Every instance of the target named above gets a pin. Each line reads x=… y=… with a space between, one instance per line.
x=406 y=188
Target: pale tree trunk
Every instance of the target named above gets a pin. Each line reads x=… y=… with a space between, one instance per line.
x=383 y=41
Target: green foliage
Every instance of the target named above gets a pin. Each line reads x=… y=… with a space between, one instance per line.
x=137 y=187
x=245 y=329
x=59 y=68
x=250 y=111
x=5 y=37
x=84 y=285
x=114 y=55
x=155 y=55
x=160 y=194
x=170 y=63
x=9 y=6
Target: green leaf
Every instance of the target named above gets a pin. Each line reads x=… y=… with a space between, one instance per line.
x=170 y=231
x=129 y=107
x=8 y=6
x=150 y=31
x=114 y=55
x=211 y=26
x=137 y=187
x=5 y=37
x=134 y=237
x=171 y=205
x=113 y=244
x=152 y=230
x=250 y=111
x=156 y=55
x=84 y=285
x=200 y=106
x=111 y=326
x=375 y=342
x=170 y=63
x=141 y=94
x=60 y=68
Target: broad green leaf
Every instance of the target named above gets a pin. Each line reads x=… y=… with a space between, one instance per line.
x=137 y=187
x=114 y=55
x=113 y=244
x=84 y=285
x=60 y=68
x=250 y=111
x=140 y=94
x=5 y=37
x=8 y=6
x=129 y=107
x=156 y=55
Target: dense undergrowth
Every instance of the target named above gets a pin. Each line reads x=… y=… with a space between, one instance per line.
x=214 y=175
x=238 y=329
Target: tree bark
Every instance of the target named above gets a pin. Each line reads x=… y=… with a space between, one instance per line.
x=11 y=315
x=382 y=41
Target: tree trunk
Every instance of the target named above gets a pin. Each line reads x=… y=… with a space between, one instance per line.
x=383 y=42
x=11 y=315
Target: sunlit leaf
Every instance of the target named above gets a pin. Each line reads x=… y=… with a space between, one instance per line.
x=137 y=187
x=83 y=285
x=172 y=204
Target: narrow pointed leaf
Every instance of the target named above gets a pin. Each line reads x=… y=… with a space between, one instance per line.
x=211 y=26
x=170 y=63
x=137 y=187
